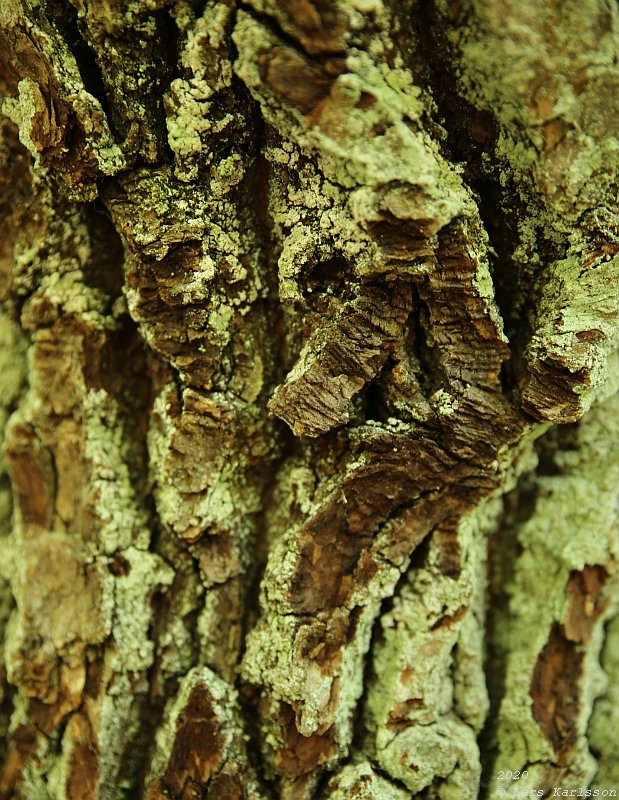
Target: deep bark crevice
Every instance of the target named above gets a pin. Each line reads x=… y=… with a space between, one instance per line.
x=65 y=16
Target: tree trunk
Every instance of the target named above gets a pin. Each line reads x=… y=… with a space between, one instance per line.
x=308 y=364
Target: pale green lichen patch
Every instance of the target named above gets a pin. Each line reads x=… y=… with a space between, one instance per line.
x=445 y=751
x=198 y=485
x=12 y=363
x=34 y=785
x=427 y=700
x=362 y=782
x=343 y=135
x=523 y=63
x=109 y=450
x=571 y=531
x=147 y=573
x=311 y=217
x=12 y=377
x=60 y=614
x=128 y=659
x=470 y=691
x=576 y=327
x=45 y=109
x=605 y=716
x=195 y=119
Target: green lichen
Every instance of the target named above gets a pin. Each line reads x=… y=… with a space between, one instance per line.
x=605 y=716
x=30 y=107
x=129 y=659
x=347 y=150
x=428 y=697
x=573 y=524
x=577 y=324
x=133 y=651
x=470 y=696
x=190 y=502
x=362 y=782
x=34 y=784
x=110 y=452
x=444 y=751
x=12 y=377
x=193 y=116
x=524 y=64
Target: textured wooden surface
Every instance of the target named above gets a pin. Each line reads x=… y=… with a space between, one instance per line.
x=308 y=372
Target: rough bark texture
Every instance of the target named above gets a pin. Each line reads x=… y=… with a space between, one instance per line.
x=308 y=372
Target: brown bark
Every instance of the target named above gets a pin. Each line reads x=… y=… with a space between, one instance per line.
x=309 y=359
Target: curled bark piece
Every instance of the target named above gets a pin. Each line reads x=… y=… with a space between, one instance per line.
x=339 y=359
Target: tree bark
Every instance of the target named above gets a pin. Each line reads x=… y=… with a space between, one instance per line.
x=309 y=371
